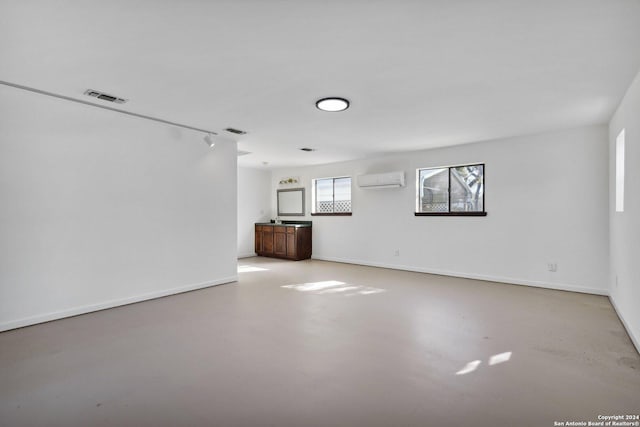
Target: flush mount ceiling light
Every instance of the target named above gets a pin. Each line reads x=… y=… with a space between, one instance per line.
x=208 y=138
x=332 y=104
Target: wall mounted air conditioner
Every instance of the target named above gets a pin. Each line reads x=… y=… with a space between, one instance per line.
x=382 y=180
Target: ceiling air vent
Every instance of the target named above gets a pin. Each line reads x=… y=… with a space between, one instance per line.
x=104 y=96
x=236 y=131
x=243 y=153
x=308 y=149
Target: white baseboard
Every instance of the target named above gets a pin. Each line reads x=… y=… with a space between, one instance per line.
x=634 y=339
x=509 y=280
x=28 y=321
x=252 y=254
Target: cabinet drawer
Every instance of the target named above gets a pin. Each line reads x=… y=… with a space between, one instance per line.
x=291 y=230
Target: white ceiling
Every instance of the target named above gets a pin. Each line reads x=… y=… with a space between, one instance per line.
x=419 y=74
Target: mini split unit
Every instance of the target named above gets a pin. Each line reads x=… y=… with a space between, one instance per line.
x=382 y=180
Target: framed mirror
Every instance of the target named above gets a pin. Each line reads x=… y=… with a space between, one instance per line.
x=291 y=202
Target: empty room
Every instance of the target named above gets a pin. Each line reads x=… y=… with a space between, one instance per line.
x=319 y=213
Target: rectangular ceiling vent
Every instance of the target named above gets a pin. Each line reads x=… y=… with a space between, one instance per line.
x=104 y=96
x=243 y=153
x=236 y=131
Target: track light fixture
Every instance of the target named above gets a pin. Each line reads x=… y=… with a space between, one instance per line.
x=208 y=138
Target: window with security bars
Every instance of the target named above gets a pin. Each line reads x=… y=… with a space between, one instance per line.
x=454 y=190
x=332 y=196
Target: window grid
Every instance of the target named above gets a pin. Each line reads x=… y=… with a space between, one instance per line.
x=332 y=206
x=451 y=190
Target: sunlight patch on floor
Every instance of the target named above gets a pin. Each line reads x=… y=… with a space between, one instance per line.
x=334 y=287
x=250 y=268
x=500 y=358
x=493 y=360
x=469 y=367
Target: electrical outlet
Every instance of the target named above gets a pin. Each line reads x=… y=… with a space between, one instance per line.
x=552 y=266
x=396 y=252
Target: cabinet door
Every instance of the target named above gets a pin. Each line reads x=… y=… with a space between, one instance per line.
x=280 y=241
x=303 y=243
x=267 y=240
x=291 y=245
x=258 y=239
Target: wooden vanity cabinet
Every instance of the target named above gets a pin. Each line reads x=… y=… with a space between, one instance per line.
x=283 y=241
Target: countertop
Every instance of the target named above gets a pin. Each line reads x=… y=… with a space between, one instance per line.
x=288 y=224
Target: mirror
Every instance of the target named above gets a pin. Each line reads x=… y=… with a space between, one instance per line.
x=291 y=202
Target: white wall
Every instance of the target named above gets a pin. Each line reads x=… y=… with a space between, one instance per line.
x=100 y=209
x=625 y=226
x=546 y=197
x=254 y=205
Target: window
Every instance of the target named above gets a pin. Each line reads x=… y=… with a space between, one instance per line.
x=455 y=190
x=331 y=196
x=620 y=172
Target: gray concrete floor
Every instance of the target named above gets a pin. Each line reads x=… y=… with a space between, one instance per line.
x=315 y=343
